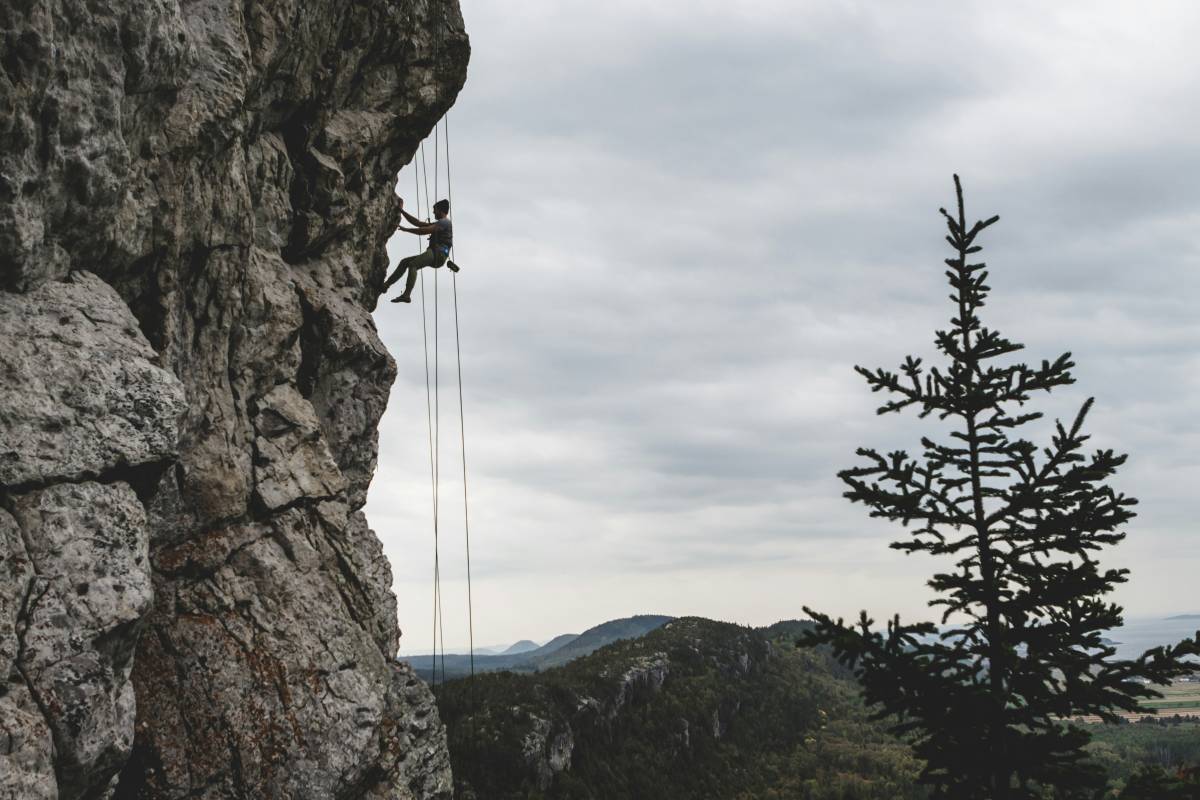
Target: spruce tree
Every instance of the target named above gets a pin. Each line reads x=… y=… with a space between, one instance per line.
x=988 y=697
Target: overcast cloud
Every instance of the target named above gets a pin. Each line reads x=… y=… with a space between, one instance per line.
x=682 y=223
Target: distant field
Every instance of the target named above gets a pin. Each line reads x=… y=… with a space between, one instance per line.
x=1165 y=705
x=1178 y=698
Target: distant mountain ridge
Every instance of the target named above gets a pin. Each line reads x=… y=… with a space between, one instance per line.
x=593 y=639
x=556 y=652
x=559 y=641
x=523 y=646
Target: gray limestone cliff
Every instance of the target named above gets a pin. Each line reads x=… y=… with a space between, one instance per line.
x=194 y=201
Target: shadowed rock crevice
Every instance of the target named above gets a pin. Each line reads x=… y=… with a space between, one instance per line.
x=144 y=479
x=193 y=211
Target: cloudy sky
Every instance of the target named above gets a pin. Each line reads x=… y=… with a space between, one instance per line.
x=682 y=223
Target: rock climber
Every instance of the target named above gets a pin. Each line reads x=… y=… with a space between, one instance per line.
x=441 y=238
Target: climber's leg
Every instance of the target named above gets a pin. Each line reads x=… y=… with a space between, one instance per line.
x=412 y=264
x=398 y=273
x=395 y=276
x=411 y=282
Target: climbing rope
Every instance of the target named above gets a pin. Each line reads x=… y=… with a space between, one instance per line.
x=433 y=386
x=439 y=35
x=439 y=629
x=432 y=382
x=433 y=424
x=462 y=425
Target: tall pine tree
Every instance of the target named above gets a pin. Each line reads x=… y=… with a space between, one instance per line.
x=987 y=699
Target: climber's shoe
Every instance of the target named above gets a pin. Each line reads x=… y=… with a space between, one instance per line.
x=453 y=267
x=401 y=299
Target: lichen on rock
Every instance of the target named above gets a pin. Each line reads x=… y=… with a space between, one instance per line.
x=194 y=202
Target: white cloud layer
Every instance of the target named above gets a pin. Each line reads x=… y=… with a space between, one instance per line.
x=682 y=223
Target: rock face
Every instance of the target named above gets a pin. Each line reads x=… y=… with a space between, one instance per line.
x=194 y=201
x=86 y=415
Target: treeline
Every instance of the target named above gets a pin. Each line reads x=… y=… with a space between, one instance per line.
x=1157 y=757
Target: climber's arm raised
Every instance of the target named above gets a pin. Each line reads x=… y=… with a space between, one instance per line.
x=412 y=220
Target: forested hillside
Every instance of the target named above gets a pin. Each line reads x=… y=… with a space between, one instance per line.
x=703 y=709
x=694 y=709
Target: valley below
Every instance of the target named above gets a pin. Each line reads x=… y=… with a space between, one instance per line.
x=695 y=708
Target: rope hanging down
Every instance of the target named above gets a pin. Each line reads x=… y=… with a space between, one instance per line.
x=433 y=410
x=462 y=425
x=433 y=424
x=436 y=454
x=433 y=385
